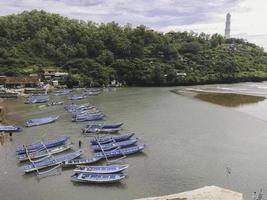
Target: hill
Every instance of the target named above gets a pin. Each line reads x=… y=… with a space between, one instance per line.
x=99 y=53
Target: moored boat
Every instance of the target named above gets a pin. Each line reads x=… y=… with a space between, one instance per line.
x=97 y=178
x=76 y=97
x=43 y=153
x=56 y=103
x=50 y=161
x=41 y=121
x=119 y=152
x=108 y=139
x=73 y=108
x=101 y=169
x=88 y=117
x=76 y=162
x=113 y=145
x=37 y=99
x=9 y=128
x=41 y=146
x=96 y=128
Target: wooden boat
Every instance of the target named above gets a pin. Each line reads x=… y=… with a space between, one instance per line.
x=50 y=161
x=112 y=125
x=63 y=92
x=113 y=145
x=76 y=97
x=108 y=169
x=9 y=128
x=97 y=178
x=5 y=94
x=56 y=103
x=76 y=162
x=41 y=146
x=41 y=121
x=119 y=152
x=97 y=128
x=37 y=99
x=88 y=117
x=108 y=139
x=90 y=93
x=85 y=113
x=73 y=108
x=43 y=153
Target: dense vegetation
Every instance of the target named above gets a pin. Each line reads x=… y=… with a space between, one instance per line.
x=99 y=53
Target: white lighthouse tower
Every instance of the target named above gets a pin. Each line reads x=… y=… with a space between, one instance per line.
x=227 y=26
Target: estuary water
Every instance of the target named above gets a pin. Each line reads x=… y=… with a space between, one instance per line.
x=190 y=143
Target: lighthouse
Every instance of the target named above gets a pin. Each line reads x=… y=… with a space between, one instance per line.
x=227 y=26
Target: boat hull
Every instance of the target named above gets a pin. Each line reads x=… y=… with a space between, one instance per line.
x=76 y=162
x=97 y=178
x=109 y=169
x=108 y=139
x=50 y=162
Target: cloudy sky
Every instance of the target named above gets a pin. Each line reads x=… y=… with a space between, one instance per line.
x=248 y=16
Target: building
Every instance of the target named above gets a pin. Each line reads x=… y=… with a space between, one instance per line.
x=52 y=75
x=19 y=82
x=227 y=26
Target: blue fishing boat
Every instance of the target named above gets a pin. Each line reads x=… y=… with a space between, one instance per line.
x=97 y=178
x=9 y=128
x=90 y=93
x=88 y=117
x=113 y=145
x=112 y=125
x=51 y=161
x=41 y=146
x=108 y=169
x=37 y=99
x=119 y=152
x=76 y=97
x=102 y=128
x=72 y=108
x=45 y=152
x=41 y=121
x=108 y=139
x=63 y=92
x=97 y=129
x=76 y=162
x=85 y=113
x=56 y=103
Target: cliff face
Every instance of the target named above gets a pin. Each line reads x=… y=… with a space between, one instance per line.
x=205 y=193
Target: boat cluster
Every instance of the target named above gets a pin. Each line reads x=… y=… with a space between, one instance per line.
x=106 y=147
x=41 y=155
x=84 y=112
x=48 y=157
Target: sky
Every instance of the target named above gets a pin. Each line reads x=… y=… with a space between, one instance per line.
x=247 y=16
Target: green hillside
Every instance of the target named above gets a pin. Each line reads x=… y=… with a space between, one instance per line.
x=140 y=56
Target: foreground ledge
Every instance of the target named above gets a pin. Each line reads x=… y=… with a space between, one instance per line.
x=205 y=193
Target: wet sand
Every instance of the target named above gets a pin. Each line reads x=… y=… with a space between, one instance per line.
x=221 y=98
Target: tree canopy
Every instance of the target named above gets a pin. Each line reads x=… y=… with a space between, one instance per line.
x=98 y=53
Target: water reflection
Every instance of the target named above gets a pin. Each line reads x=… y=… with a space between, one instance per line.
x=229 y=99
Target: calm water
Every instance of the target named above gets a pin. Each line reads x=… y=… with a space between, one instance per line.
x=190 y=143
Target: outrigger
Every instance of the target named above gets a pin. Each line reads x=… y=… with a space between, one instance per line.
x=48 y=161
